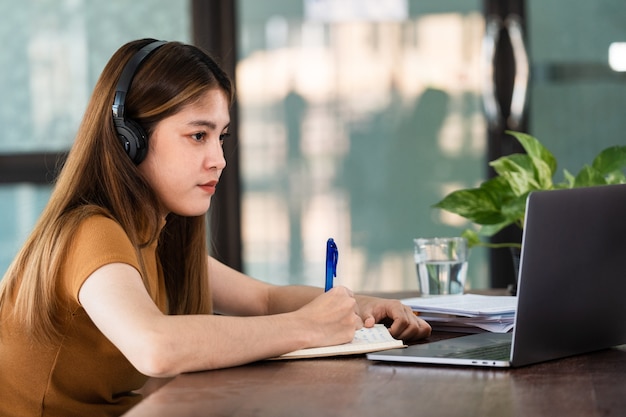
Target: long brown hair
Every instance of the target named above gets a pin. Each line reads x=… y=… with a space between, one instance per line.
x=99 y=178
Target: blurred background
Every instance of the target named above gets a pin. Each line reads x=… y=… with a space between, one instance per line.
x=352 y=118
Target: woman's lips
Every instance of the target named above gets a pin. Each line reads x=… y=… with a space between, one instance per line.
x=209 y=187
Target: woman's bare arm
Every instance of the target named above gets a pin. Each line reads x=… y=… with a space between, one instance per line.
x=160 y=345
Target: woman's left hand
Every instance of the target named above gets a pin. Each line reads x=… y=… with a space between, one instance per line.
x=403 y=324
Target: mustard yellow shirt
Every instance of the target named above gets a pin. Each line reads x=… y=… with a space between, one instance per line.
x=84 y=374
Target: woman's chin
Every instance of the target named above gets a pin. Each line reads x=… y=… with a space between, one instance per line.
x=191 y=212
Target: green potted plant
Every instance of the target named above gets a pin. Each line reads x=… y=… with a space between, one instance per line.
x=501 y=201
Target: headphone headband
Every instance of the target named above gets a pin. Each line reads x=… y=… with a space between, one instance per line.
x=128 y=73
x=131 y=135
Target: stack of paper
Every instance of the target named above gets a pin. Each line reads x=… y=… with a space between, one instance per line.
x=466 y=313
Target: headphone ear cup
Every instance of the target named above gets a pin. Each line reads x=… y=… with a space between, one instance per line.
x=134 y=140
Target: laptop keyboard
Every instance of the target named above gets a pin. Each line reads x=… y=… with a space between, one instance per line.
x=499 y=351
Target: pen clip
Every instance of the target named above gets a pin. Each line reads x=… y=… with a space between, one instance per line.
x=332 y=255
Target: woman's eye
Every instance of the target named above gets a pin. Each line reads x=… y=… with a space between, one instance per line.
x=223 y=137
x=198 y=136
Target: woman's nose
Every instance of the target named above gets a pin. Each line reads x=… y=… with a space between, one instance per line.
x=215 y=158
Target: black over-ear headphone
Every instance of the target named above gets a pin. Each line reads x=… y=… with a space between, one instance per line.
x=131 y=135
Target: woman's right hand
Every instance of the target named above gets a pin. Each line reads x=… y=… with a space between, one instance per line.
x=332 y=317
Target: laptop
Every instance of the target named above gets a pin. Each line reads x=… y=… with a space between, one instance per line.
x=571 y=286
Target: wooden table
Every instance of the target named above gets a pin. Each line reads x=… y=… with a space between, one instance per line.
x=586 y=385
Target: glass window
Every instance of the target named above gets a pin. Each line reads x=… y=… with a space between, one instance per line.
x=577 y=100
x=355 y=118
x=51 y=58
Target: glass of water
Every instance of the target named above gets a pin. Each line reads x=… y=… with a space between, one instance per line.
x=441 y=265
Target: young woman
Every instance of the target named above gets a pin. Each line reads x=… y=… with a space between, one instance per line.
x=114 y=284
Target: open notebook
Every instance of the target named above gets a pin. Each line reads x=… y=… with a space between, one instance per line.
x=365 y=340
x=571 y=286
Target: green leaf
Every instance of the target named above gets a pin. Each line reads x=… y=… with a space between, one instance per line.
x=535 y=149
x=569 y=179
x=588 y=177
x=499 y=187
x=518 y=170
x=616 y=177
x=610 y=159
x=471 y=236
x=543 y=174
x=514 y=209
x=491 y=229
x=476 y=205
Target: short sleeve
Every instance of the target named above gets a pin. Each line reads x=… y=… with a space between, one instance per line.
x=98 y=241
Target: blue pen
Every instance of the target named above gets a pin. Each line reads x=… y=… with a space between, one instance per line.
x=332 y=254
